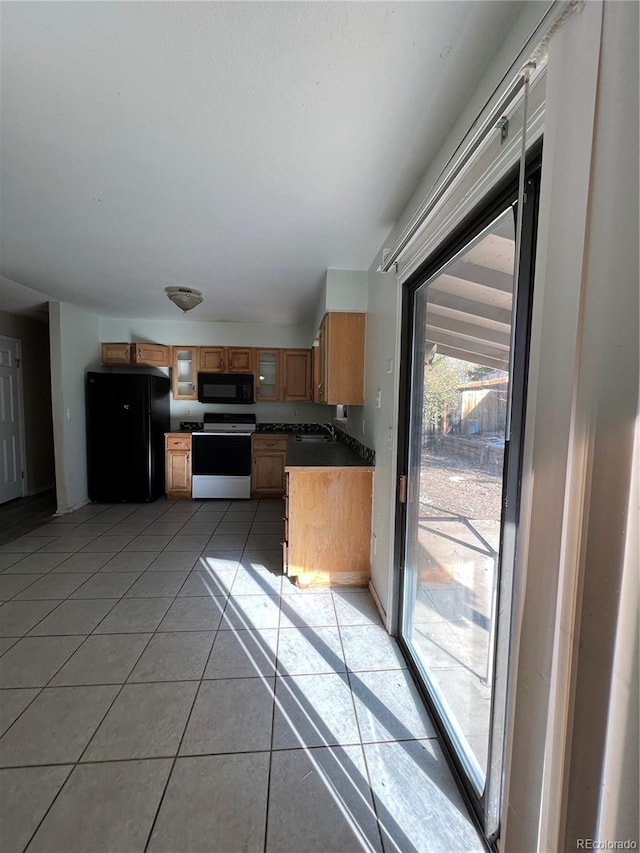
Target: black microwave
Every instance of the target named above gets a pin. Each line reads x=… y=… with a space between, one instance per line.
x=225 y=388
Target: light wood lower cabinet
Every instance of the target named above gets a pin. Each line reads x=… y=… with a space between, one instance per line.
x=328 y=526
x=178 y=465
x=268 y=454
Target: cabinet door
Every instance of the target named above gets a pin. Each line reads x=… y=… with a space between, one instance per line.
x=116 y=353
x=240 y=360
x=178 y=473
x=296 y=369
x=213 y=359
x=184 y=372
x=342 y=342
x=152 y=355
x=267 y=467
x=267 y=370
x=268 y=473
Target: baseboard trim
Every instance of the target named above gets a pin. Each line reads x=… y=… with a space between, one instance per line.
x=378 y=603
x=73 y=508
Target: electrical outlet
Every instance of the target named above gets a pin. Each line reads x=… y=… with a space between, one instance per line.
x=378 y=398
x=187 y=411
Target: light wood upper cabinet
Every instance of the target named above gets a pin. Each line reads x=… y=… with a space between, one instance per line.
x=296 y=375
x=184 y=372
x=316 y=373
x=240 y=359
x=213 y=359
x=226 y=359
x=149 y=355
x=116 y=353
x=178 y=465
x=341 y=359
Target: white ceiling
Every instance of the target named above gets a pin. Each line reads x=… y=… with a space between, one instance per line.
x=239 y=148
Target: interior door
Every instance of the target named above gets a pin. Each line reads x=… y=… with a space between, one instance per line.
x=11 y=449
x=466 y=346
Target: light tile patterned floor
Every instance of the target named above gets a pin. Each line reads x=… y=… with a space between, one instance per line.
x=163 y=688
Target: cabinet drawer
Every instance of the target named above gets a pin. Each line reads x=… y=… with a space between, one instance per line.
x=270 y=442
x=178 y=442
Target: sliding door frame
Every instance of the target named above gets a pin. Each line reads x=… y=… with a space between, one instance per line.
x=486 y=808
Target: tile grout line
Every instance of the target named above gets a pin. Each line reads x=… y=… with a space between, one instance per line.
x=273 y=718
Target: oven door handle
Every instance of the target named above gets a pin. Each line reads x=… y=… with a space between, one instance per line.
x=224 y=434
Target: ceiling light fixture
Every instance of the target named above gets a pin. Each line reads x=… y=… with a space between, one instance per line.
x=184 y=297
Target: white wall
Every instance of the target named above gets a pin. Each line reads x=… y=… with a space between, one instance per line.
x=75 y=348
x=380 y=426
x=342 y=290
x=204 y=334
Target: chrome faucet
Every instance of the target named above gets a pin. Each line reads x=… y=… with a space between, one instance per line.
x=331 y=430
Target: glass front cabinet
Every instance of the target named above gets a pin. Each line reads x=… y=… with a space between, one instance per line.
x=185 y=373
x=267 y=374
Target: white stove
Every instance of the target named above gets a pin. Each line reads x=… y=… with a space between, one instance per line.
x=221 y=456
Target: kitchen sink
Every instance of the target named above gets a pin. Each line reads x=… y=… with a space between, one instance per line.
x=317 y=438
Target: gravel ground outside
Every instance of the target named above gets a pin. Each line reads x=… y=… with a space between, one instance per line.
x=457 y=486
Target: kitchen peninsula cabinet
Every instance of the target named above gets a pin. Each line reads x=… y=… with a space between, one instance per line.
x=340 y=359
x=178 y=465
x=268 y=454
x=328 y=525
x=226 y=359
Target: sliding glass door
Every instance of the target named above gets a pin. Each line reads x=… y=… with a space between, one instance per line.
x=467 y=331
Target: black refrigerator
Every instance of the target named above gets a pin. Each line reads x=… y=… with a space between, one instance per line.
x=127 y=417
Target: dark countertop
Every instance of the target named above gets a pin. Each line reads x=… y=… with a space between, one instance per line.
x=330 y=454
